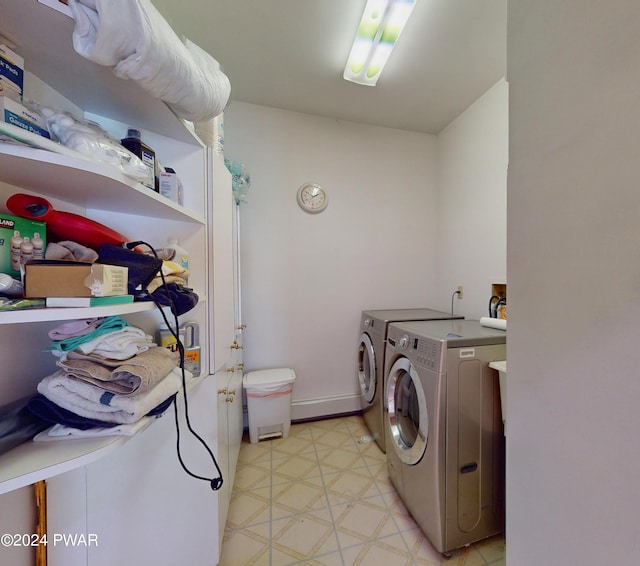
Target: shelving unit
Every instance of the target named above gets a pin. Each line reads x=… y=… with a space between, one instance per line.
x=101 y=192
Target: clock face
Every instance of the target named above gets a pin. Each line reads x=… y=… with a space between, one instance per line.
x=312 y=198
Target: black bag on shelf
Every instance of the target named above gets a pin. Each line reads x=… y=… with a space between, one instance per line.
x=142 y=267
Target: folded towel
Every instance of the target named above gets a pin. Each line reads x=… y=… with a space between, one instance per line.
x=75 y=328
x=106 y=326
x=72 y=251
x=136 y=375
x=119 y=345
x=48 y=411
x=134 y=39
x=89 y=401
x=59 y=431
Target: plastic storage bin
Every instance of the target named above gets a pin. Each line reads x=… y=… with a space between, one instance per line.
x=269 y=402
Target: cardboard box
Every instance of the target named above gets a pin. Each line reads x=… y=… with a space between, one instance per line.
x=73 y=279
x=11 y=67
x=16 y=114
x=32 y=229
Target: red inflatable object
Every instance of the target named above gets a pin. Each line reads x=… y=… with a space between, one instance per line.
x=63 y=225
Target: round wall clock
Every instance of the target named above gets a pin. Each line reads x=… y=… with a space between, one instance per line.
x=312 y=198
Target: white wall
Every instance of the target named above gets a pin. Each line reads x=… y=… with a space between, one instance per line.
x=472 y=155
x=306 y=278
x=574 y=278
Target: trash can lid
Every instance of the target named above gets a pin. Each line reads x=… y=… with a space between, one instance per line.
x=267 y=376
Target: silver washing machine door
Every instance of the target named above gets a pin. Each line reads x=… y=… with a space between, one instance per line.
x=408 y=417
x=367 y=368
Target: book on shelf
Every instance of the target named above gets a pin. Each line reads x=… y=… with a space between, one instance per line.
x=88 y=301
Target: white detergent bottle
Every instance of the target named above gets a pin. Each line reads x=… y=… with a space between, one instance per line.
x=181 y=256
x=16 y=243
x=26 y=250
x=10 y=286
x=38 y=246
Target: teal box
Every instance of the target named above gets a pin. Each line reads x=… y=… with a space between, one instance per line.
x=21 y=239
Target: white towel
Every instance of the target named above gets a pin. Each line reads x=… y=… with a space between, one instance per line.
x=132 y=37
x=61 y=432
x=92 y=402
x=118 y=345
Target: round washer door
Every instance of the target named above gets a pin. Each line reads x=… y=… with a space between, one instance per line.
x=408 y=420
x=367 y=368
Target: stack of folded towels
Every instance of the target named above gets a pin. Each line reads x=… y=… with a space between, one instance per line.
x=111 y=377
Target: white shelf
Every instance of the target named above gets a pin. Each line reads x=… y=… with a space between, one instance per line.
x=55 y=314
x=35 y=461
x=43 y=36
x=86 y=183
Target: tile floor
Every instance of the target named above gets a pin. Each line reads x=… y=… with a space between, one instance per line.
x=322 y=497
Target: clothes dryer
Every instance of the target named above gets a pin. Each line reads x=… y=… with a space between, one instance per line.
x=371 y=350
x=445 y=446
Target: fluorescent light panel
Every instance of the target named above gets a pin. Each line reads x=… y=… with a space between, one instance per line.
x=380 y=27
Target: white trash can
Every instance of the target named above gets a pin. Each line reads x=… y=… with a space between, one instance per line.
x=269 y=402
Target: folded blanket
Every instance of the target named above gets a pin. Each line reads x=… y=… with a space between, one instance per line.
x=136 y=375
x=134 y=39
x=93 y=402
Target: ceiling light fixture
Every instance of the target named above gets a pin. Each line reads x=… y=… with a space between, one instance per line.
x=380 y=27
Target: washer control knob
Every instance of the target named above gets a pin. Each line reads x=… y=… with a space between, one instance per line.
x=403 y=343
x=367 y=322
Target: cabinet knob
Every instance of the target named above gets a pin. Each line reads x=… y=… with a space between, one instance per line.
x=240 y=366
x=232 y=392
x=236 y=346
x=229 y=400
x=222 y=391
x=231 y=369
x=241 y=327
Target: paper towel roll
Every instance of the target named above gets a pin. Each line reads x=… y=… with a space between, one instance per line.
x=499 y=323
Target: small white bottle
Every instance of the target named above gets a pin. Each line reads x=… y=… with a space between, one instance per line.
x=16 y=243
x=26 y=250
x=10 y=286
x=38 y=246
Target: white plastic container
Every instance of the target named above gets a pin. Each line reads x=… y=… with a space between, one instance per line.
x=181 y=256
x=269 y=402
x=10 y=286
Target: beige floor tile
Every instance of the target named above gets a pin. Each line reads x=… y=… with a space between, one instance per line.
x=240 y=548
x=295 y=468
x=349 y=485
x=301 y=496
x=375 y=553
x=305 y=536
x=246 y=506
x=252 y=476
x=364 y=519
x=339 y=459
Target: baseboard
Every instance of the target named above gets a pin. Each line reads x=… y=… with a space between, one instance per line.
x=306 y=409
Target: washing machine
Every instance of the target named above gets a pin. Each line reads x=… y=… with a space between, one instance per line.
x=371 y=350
x=445 y=443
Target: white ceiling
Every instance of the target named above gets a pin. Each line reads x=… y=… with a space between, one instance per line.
x=290 y=54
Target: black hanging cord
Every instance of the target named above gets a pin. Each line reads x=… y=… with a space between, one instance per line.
x=215 y=483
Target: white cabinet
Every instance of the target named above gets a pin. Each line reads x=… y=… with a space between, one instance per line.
x=226 y=325
x=131 y=491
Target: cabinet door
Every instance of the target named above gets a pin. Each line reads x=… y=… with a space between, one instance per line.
x=222 y=262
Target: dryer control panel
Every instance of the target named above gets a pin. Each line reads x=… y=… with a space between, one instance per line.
x=428 y=353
